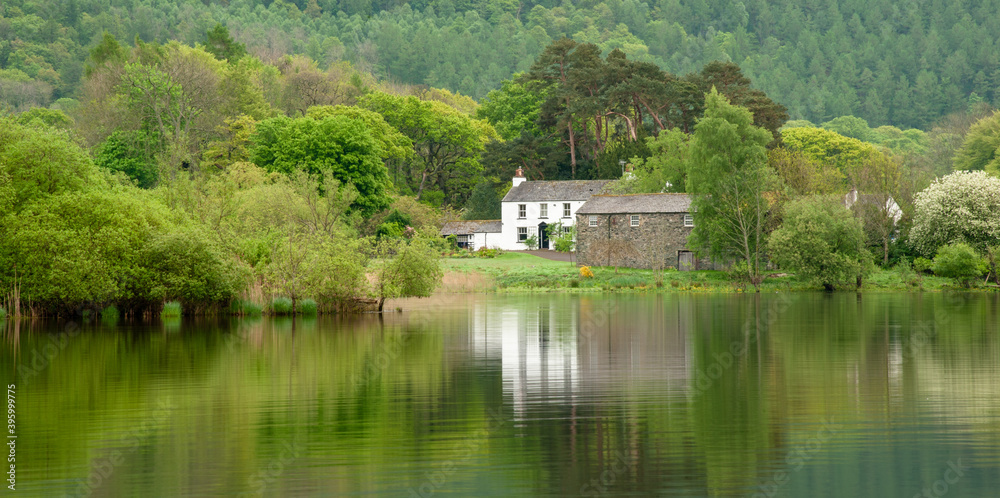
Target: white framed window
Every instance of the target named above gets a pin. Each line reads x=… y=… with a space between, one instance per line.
x=688 y=220
x=522 y=211
x=593 y=220
x=543 y=210
x=566 y=230
x=463 y=238
x=634 y=220
x=522 y=234
x=566 y=210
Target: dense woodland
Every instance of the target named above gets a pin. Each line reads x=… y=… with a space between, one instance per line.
x=904 y=64
x=232 y=162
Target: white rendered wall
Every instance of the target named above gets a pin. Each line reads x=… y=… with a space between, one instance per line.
x=488 y=240
x=509 y=211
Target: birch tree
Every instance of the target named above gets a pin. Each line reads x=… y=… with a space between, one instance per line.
x=728 y=176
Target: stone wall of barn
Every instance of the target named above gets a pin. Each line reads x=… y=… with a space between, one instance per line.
x=654 y=244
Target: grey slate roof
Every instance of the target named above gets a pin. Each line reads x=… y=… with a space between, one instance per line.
x=636 y=203
x=468 y=227
x=566 y=190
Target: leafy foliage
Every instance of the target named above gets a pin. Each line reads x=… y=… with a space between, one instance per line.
x=41 y=162
x=219 y=43
x=484 y=202
x=728 y=175
x=981 y=148
x=822 y=241
x=531 y=242
x=335 y=147
x=404 y=268
x=877 y=61
x=823 y=145
x=665 y=170
x=960 y=262
x=447 y=145
x=961 y=207
x=562 y=240
x=126 y=152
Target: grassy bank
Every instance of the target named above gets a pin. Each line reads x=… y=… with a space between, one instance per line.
x=524 y=272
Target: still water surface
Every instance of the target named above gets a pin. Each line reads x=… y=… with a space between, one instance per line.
x=526 y=395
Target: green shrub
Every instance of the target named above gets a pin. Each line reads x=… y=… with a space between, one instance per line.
x=960 y=262
x=922 y=265
x=531 y=242
x=171 y=309
x=281 y=306
x=308 y=307
x=110 y=315
x=394 y=225
x=489 y=253
x=821 y=241
x=906 y=273
x=3 y=313
x=739 y=274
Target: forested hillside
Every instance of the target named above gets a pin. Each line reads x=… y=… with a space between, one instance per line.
x=888 y=62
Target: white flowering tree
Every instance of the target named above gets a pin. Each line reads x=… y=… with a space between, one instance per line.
x=961 y=207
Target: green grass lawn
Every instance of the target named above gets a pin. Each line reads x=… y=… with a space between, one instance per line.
x=525 y=272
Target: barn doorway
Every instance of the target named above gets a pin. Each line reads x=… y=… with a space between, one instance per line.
x=685 y=261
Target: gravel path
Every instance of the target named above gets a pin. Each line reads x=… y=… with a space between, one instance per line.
x=553 y=255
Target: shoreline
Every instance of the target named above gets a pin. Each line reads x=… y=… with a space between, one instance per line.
x=526 y=273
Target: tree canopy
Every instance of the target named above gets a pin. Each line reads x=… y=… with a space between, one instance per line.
x=821 y=240
x=446 y=142
x=878 y=61
x=960 y=207
x=981 y=147
x=334 y=147
x=728 y=176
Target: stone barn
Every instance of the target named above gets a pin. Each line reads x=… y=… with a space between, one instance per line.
x=637 y=231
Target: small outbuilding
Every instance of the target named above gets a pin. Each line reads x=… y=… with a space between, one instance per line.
x=638 y=231
x=474 y=234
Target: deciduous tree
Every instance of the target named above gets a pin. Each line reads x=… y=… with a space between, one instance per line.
x=335 y=147
x=404 y=268
x=729 y=177
x=960 y=207
x=447 y=143
x=822 y=241
x=981 y=148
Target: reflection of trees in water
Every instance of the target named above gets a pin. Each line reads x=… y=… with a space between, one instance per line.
x=616 y=380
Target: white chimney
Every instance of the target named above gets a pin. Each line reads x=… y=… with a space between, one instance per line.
x=519 y=177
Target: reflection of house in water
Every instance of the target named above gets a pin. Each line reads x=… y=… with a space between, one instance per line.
x=575 y=349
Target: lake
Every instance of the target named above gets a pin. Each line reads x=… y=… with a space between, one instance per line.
x=806 y=394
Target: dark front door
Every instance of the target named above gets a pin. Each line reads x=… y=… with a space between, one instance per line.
x=543 y=235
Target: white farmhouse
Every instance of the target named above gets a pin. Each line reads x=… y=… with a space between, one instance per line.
x=884 y=203
x=530 y=207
